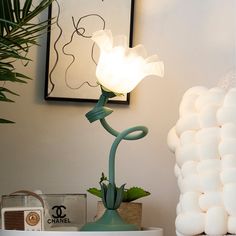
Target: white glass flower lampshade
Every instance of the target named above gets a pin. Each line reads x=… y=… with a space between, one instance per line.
x=120 y=68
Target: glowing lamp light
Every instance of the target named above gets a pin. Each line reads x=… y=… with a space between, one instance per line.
x=120 y=68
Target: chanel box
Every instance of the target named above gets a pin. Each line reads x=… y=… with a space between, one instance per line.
x=64 y=211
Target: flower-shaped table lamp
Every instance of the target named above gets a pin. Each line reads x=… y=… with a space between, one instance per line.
x=119 y=70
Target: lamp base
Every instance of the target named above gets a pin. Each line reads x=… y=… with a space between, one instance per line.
x=110 y=221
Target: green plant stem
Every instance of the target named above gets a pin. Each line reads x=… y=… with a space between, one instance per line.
x=126 y=134
x=99 y=112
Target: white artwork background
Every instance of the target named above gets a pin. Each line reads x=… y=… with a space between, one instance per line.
x=71 y=69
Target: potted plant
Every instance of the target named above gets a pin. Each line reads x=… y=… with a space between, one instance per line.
x=17 y=34
x=130 y=211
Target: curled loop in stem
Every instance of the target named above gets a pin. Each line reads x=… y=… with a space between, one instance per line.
x=128 y=135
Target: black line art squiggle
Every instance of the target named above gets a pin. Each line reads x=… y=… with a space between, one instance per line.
x=55 y=49
x=77 y=30
x=81 y=32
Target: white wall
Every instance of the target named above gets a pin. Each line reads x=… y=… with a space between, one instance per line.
x=52 y=147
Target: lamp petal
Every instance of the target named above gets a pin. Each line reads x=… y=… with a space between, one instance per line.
x=104 y=39
x=120 y=41
x=154 y=68
x=153 y=58
x=139 y=50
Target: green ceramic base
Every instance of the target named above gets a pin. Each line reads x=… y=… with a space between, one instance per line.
x=110 y=221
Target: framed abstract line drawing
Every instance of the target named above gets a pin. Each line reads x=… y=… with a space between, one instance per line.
x=72 y=55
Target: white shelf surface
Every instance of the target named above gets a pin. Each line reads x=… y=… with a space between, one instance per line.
x=144 y=232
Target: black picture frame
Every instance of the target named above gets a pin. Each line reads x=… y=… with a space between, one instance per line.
x=71 y=54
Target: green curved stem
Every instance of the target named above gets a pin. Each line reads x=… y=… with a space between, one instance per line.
x=123 y=135
x=99 y=112
x=115 y=133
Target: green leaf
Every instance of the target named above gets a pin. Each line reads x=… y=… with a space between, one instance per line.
x=22 y=76
x=4 y=15
x=26 y=7
x=12 y=55
x=17 y=10
x=8 y=10
x=110 y=196
x=119 y=196
x=4 y=65
x=6 y=121
x=95 y=191
x=2 y=89
x=104 y=192
x=135 y=193
x=103 y=178
x=3 y=97
x=11 y=76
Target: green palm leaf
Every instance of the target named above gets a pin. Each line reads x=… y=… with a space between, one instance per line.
x=6 y=121
x=17 y=35
x=17 y=10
